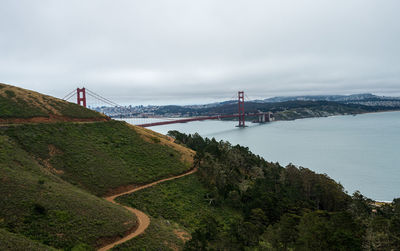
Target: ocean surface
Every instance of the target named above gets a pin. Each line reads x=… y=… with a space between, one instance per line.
x=361 y=152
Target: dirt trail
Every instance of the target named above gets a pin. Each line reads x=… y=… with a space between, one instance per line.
x=143 y=219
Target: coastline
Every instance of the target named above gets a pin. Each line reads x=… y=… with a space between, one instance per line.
x=337 y=115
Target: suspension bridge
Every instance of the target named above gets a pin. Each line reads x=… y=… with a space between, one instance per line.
x=100 y=104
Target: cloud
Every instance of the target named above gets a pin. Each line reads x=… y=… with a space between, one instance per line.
x=189 y=52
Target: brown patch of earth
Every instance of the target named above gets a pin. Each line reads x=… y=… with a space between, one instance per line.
x=53 y=150
x=183 y=235
x=46 y=162
x=171 y=246
x=49 y=167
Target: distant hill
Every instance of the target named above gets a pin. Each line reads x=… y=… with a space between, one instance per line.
x=318 y=98
x=353 y=98
x=21 y=105
x=285 y=108
x=335 y=98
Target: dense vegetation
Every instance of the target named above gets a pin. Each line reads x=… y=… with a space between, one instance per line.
x=20 y=103
x=40 y=206
x=278 y=208
x=159 y=201
x=98 y=156
x=185 y=202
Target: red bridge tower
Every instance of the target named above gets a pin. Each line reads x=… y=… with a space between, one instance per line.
x=81 y=99
x=241 y=108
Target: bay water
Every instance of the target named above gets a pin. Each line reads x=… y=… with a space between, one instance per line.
x=361 y=152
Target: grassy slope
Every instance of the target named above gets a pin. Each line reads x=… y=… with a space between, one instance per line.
x=182 y=202
x=10 y=241
x=20 y=103
x=187 y=154
x=38 y=160
x=100 y=156
x=40 y=206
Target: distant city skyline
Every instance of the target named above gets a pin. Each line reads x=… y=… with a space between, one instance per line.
x=197 y=52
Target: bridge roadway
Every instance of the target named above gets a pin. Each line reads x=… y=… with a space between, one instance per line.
x=197 y=119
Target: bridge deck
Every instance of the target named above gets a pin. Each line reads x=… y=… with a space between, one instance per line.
x=195 y=119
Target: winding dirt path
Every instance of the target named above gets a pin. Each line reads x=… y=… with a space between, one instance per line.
x=143 y=219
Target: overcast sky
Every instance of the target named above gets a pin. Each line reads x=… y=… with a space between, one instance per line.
x=183 y=52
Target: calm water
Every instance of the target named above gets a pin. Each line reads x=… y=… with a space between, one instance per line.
x=361 y=152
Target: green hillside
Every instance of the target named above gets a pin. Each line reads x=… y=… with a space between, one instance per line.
x=18 y=103
x=41 y=206
x=52 y=173
x=98 y=157
x=10 y=241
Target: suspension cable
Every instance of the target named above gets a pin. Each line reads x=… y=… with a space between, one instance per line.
x=95 y=95
x=101 y=99
x=69 y=95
